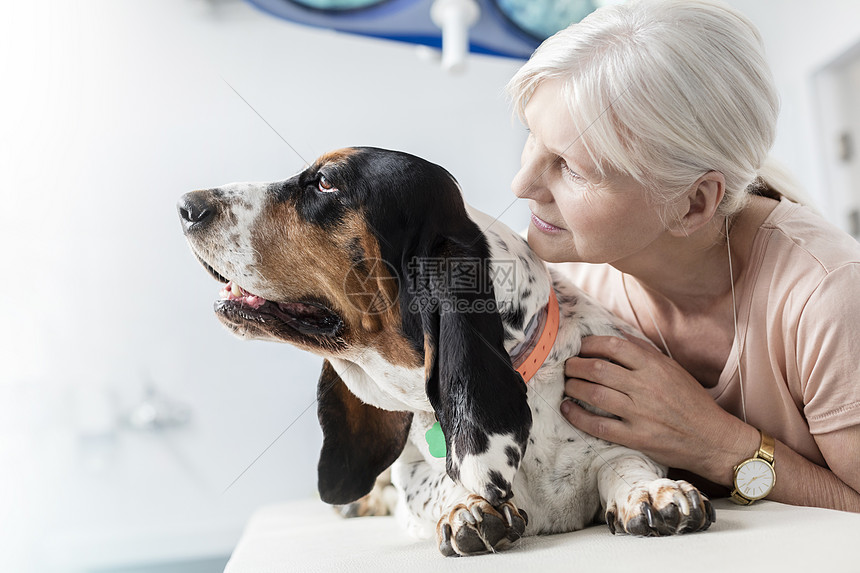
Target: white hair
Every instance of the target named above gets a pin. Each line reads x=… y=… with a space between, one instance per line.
x=666 y=91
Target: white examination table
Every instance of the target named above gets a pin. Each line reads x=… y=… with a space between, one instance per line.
x=767 y=536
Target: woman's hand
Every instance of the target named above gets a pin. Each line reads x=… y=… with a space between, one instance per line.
x=664 y=412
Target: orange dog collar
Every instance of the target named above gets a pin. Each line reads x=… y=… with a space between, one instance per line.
x=528 y=366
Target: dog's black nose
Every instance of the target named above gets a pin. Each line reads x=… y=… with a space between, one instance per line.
x=195 y=210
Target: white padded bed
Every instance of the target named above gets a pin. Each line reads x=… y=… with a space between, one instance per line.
x=767 y=536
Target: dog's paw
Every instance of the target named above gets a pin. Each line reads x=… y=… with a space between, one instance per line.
x=476 y=527
x=381 y=500
x=662 y=507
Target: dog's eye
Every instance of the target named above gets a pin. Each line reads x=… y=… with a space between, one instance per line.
x=325 y=186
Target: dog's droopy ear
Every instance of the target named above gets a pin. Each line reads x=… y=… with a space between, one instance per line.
x=479 y=398
x=359 y=440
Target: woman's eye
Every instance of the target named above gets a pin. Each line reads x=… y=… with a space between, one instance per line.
x=568 y=172
x=325 y=186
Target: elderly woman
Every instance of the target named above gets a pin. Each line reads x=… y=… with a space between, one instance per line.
x=647 y=176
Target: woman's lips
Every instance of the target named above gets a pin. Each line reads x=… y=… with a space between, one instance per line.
x=544 y=226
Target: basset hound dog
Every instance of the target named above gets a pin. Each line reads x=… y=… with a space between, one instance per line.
x=444 y=338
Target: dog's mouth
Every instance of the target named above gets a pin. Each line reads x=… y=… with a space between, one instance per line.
x=239 y=306
x=305 y=317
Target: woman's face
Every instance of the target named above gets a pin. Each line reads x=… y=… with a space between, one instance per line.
x=577 y=215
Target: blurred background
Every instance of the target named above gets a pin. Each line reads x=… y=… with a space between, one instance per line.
x=136 y=434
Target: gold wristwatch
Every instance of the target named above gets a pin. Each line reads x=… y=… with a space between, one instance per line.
x=755 y=477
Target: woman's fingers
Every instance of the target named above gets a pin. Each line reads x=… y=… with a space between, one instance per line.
x=594 y=369
x=598 y=395
x=616 y=376
x=601 y=427
x=623 y=352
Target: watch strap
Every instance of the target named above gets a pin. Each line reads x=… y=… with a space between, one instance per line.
x=765 y=450
x=740 y=499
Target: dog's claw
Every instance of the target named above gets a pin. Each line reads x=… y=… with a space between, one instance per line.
x=445 y=546
x=610 y=520
x=516 y=525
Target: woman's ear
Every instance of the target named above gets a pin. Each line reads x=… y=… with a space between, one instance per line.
x=699 y=206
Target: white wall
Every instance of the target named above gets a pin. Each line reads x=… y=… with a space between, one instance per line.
x=836 y=94
x=801 y=38
x=110 y=110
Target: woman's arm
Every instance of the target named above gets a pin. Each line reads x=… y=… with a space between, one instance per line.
x=665 y=413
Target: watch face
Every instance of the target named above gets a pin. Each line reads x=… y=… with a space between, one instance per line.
x=755 y=479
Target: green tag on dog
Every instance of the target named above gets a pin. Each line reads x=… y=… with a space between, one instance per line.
x=436 y=440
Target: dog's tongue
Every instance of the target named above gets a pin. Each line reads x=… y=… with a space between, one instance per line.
x=234 y=292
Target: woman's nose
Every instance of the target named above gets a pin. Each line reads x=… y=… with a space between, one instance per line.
x=530 y=180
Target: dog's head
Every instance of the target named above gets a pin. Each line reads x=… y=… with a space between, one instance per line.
x=351 y=255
